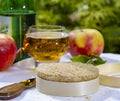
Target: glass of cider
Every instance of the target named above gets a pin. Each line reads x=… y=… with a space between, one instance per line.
x=46 y=43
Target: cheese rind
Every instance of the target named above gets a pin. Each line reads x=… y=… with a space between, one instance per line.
x=66 y=88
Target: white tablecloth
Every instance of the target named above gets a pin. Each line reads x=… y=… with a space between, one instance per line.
x=24 y=70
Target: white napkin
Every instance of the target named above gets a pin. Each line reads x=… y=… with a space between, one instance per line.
x=21 y=70
x=103 y=94
x=110 y=57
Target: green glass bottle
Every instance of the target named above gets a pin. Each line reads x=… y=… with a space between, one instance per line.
x=15 y=18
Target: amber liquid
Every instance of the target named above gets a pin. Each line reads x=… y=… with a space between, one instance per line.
x=46 y=47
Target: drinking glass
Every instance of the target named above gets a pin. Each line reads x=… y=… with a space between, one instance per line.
x=46 y=43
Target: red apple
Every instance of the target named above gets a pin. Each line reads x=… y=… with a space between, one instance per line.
x=8 y=51
x=86 y=42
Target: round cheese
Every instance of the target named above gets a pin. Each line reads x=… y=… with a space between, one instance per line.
x=67 y=72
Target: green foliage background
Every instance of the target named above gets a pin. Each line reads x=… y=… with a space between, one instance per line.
x=103 y=15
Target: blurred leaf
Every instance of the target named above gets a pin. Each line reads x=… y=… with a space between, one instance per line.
x=80 y=58
x=93 y=59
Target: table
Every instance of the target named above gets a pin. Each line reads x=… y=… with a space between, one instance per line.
x=24 y=70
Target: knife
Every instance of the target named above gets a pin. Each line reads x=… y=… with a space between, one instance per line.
x=13 y=90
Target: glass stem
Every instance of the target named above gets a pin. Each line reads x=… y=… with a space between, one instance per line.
x=36 y=64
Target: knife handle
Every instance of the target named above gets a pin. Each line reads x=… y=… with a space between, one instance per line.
x=11 y=91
